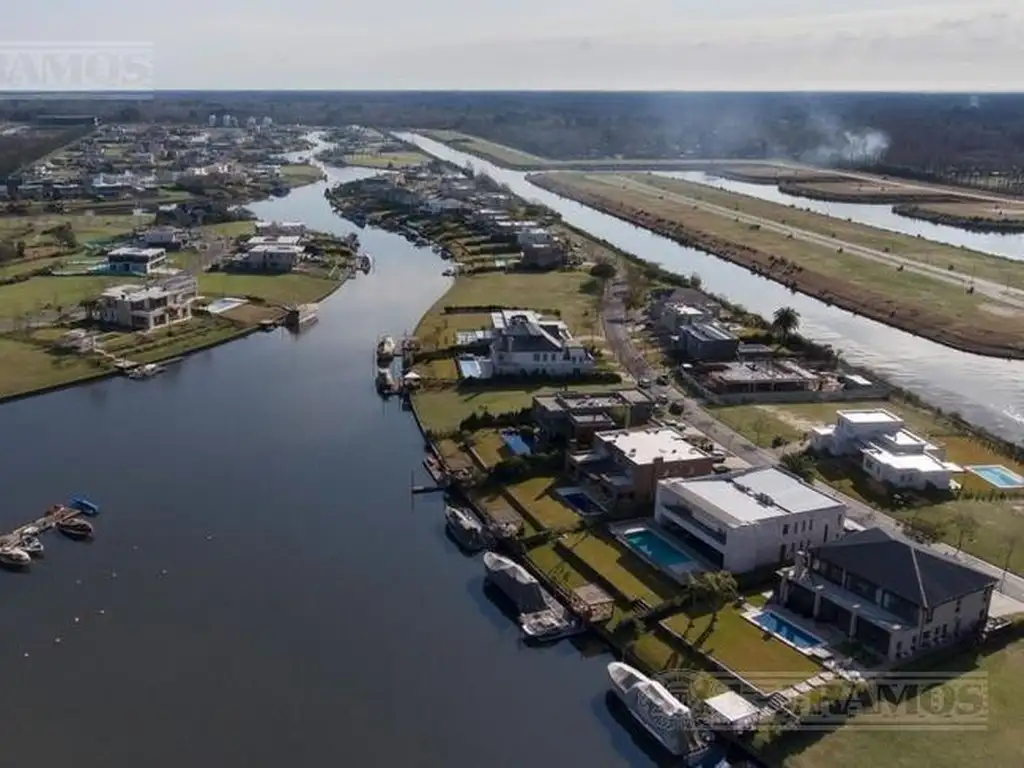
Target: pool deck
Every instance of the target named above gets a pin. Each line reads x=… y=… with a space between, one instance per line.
x=679 y=573
x=1001 y=473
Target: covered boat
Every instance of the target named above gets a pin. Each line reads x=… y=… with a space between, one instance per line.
x=386 y=349
x=664 y=716
x=75 y=528
x=517 y=583
x=31 y=544
x=465 y=528
x=14 y=558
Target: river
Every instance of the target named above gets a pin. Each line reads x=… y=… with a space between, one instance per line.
x=262 y=590
x=986 y=391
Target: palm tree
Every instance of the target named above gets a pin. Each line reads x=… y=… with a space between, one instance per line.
x=966 y=526
x=721 y=589
x=785 y=321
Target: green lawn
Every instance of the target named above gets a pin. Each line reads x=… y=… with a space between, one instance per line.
x=232 y=228
x=548 y=510
x=623 y=570
x=39 y=293
x=299 y=174
x=489 y=150
x=86 y=227
x=1000 y=744
x=177 y=340
x=292 y=288
x=26 y=367
x=387 y=159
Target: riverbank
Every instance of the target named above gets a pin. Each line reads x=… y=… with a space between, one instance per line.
x=972 y=216
x=887 y=295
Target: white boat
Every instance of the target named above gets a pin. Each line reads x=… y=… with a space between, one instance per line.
x=12 y=557
x=664 y=716
x=31 y=544
x=552 y=624
x=541 y=617
x=365 y=262
x=386 y=348
x=465 y=528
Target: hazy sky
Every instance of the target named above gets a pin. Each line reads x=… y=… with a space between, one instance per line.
x=972 y=45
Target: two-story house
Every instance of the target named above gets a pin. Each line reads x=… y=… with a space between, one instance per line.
x=525 y=343
x=151 y=306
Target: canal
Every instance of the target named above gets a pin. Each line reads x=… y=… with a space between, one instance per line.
x=262 y=590
x=986 y=391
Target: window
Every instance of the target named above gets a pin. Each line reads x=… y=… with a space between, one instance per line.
x=536 y=357
x=810 y=525
x=957 y=609
x=930 y=616
x=785 y=530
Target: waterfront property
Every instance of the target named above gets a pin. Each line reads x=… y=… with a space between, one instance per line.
x=659 y=549
x=888 y=452
x=707 y=342
x=135 y=261
x=748 y=377
x=623 y=467
x=749 y=519
x=280 y=228
x=581 y=501
x=786 y=631
x=527 y=343
x=577 y=416
x=891 y=596
x=148 y=307
x=271 y=258
x=999 y=476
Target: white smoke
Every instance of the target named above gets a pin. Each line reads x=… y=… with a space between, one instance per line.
x=862 y=147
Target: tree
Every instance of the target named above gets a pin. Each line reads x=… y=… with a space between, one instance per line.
x=785 y=322
x=800 y=464
x=966 y=526
x=65 y=236
x=603 y=270
x=721 y=588
x=926 y=530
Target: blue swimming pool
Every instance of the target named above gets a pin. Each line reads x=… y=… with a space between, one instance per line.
x=582 y=503
x=470 y=369
x=777 y=625
x=516 y=442
x=656 y=549
x=998 y=475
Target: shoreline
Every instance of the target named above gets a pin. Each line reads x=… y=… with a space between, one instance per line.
x=979 y=224
x=758 y=263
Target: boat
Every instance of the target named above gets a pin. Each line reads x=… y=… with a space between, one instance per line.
x=365 y=262
x=386 y=349
x=75 y=528
x=301 y=315
x=31 y=544
x=14 y=558
x=146 y=371
x=465 y=528
x=541 y=616
x=553 y=624
x=84 y=506
x=664 y=716
x=385 y=381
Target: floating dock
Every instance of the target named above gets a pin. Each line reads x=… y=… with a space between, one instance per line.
x=55 y=515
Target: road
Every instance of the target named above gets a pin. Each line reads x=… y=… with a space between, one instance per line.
x=996 y=291
x=617 y=321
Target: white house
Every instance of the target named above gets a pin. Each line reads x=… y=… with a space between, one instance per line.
x=278 y=228
x=748 y=519
x=888 y=451
x=272 y=258
x=252 y=242
x=165 y=237
x=151 y=306
x=136 y=261
x=675 y=315
x=526 y=343
x=443 y=205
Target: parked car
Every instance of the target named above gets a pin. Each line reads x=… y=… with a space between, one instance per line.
x=644 y=383
x=663 y=380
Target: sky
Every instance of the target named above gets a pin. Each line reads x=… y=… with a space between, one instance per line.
x=896 y=45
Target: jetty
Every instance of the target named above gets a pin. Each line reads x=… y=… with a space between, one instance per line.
x=53 y=517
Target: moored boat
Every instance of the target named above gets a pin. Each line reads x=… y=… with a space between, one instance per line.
x=664 y=716
x=75 y=528
x=14 y=558
x=365 y=262
x=385 y=381
x=465 y=528
x=386 y=349
x=31 y=544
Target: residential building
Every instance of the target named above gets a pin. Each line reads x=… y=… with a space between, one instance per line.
x=150 y=306
x=272 y=258
x=280 y=228
x=163 y=237
x=752 y=376
x=750 y=519
x=886 y=450
x=887 y=594
x=438 y=205
x=622 y=468
x=708 y=342
x=526 y=343
x=674 y=316
x=690 y=297
x=136 y=261
x=577 y=416
x=252 y=242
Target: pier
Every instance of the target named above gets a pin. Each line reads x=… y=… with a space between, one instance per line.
x=54 y=517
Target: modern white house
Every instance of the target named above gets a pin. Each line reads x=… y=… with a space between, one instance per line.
x=887 y=594
x=272 y=258
x=277 y=228
x=255 y=240
x=526 y=343
x=750 y=519
x=162 y=237
x=676 y=315
x=136 y=261
x=150 y=306
x=888 y=451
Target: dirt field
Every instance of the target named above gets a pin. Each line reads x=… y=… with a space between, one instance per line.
x=863 y=191
x=921 y=304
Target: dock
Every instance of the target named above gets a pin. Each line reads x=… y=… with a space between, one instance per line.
x=55 y=514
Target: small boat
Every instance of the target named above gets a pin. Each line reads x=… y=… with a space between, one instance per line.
x=385 y=381
x=553 y=624
x=664 y=716
x=14 y=558
x=84 y=506
x=31 y=544
x=465 y=528
x=386 y=349
x=75 y=528
x=365 y=262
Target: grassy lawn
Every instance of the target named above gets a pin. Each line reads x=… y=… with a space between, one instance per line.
x=1001 y=744
x=39 y=293
x=20 y=267
x=231 y=228
x=26 y=367
x=757 y=424
x=175 y=341
x=735 y=642
x=547 y=509
x=387 y=159
x=488 y=150
x=626 y=572
x=442 y=409
x=86 y=227
x=293 y=288
x=299 y=174
x=489 y=446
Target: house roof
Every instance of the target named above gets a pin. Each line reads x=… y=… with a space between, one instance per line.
x=897 y=566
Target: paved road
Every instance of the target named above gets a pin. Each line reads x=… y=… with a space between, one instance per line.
x=617 y=321
x=993 y=290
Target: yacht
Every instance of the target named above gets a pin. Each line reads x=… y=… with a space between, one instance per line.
x=386 y=349
x=664 y=716
x=75 y=528
x=14 y=558
x=541 y=617
x=465 y=528
x=31 y=544
x=553 y=624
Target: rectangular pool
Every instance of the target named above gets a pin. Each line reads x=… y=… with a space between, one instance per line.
x=786 y=630
x=516 y=442
x=998 y=475
x=656 y=548
x=470 y=368
x=581 y=502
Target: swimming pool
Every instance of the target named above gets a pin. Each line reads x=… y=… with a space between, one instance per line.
x=998 y=475
x=656 y=548
x=470 y=368
x=581 y=502
x=516 y=442
x=789 y=632
x=223 y=305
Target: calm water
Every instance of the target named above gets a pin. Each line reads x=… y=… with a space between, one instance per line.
x=262 y=591
x=985 y=390
x=1010 y=246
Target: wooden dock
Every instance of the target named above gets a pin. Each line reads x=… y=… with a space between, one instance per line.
x=54 y=515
